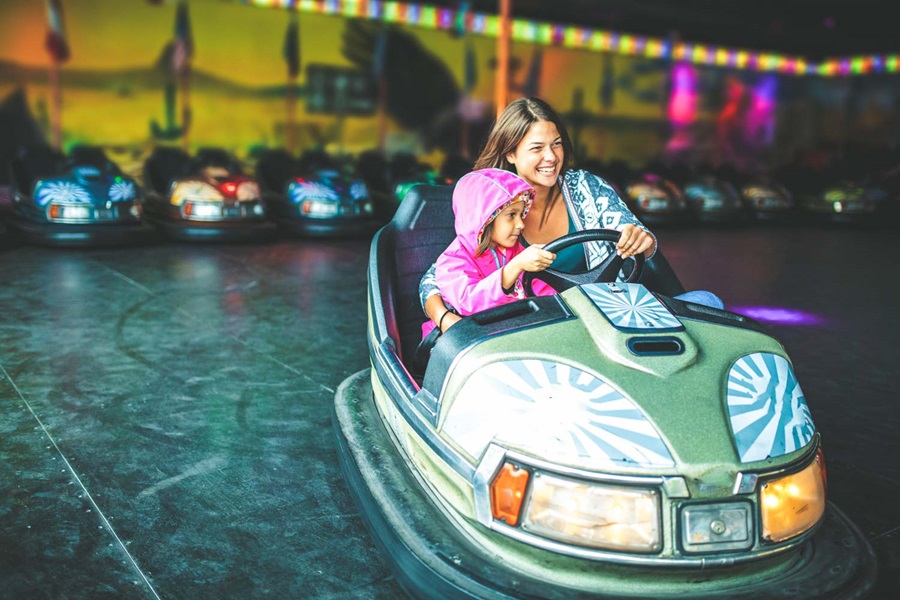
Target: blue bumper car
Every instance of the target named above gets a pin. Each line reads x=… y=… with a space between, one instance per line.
x=74 y=200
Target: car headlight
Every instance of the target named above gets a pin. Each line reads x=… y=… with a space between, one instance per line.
x=69 y=212
x=248 y=190
x=202 y=210
x=592 y=514
x=319 y=208
x=794 y=503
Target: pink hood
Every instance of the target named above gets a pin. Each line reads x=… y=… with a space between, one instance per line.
x=479 y=197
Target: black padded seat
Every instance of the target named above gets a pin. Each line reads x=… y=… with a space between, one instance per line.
x=421 y=229
x=35 y=162
x=163 y=166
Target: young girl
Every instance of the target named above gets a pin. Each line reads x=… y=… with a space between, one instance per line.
x=483 y=265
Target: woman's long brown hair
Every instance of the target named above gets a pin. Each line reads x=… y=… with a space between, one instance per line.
x=509 y=130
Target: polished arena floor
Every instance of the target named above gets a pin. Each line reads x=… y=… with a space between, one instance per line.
x=165 y=411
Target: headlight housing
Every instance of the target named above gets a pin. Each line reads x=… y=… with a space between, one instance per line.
x=596 y=515
x=59 y=211
x=792 y=504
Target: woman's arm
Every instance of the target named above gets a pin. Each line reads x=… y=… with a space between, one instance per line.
x=433 y=303
x=599 y=206
x=438 y=312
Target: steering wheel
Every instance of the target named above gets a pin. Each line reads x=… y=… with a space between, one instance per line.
x=605 y=272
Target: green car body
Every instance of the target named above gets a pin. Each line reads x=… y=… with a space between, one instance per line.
x=636 y=436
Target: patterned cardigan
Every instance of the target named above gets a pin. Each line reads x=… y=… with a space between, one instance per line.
x=592 y=203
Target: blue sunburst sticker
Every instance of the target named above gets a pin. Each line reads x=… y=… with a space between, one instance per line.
x=631 y=307
x=555 y=411
x=768 y=412
x=121 y=191
x=310 y=190
x=61 y=191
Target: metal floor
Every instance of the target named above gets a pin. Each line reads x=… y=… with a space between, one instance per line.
x=165 y=412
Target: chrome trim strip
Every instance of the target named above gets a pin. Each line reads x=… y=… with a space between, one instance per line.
x=552 y=468
x=487 y=469
x=745 y=483
x=651 y=560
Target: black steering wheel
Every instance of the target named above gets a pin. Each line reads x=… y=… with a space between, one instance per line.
x=605 y=272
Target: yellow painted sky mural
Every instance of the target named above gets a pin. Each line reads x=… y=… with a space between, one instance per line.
x=241 y=45
x=112 y=93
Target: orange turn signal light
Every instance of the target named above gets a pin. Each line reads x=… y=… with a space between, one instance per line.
x=508 y=492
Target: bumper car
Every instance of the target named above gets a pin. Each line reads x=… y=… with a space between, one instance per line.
x=714 y=200
x=204 y=198
x=768 y=200
x=657 y=201
x=407 y=172
x=315 y=196
x=608 y=441
x=839 y=202
x=79 y=199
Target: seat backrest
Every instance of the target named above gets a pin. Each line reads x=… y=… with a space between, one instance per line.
x=33 y=163
x=422 y=228
x=163 y=166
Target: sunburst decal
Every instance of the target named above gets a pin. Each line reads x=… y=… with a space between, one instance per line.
x=358 y=190
x=631 y=307
x=310 y=190
x=62 y=191
x=121 y=190
x=554 y=411
x=769 y=415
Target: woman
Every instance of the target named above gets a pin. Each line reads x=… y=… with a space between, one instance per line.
x=530 y=140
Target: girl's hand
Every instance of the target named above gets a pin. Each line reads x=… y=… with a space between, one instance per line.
x=634 y=240
x=534 y=258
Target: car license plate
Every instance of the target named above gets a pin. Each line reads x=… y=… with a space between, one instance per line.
x=105 y=214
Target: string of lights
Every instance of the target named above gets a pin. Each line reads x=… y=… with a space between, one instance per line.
x=584 y=38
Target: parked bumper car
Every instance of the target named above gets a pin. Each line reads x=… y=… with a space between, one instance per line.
x=315 y=196
x=407 y=172
x=656 y=201
x=768 y=200
x=841 y=202
x=204 y=198
x=82 y=199
x=608 y=441
x=715 y=200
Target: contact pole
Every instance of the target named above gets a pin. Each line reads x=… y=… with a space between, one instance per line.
x=55 y=106
x=501 y=84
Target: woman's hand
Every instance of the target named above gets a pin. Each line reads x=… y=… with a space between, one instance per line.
x=634 y=240
x=438 y=312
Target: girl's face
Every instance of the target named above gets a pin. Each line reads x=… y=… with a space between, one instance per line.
x=508 y=225
x=539 y=156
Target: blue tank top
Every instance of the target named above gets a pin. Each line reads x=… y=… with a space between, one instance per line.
x=568 y=260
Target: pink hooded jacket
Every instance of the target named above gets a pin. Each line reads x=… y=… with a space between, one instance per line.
x=472 y=283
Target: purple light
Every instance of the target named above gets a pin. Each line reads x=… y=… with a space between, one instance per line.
x=777 y=314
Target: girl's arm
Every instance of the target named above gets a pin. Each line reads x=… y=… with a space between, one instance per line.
x=533 y=259
x=464 y=288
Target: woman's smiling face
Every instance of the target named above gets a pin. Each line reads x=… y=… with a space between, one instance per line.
x=538 y=158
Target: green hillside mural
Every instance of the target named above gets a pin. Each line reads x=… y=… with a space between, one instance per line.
x=119 y=89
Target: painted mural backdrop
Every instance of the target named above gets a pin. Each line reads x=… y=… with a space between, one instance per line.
x=122 y=88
